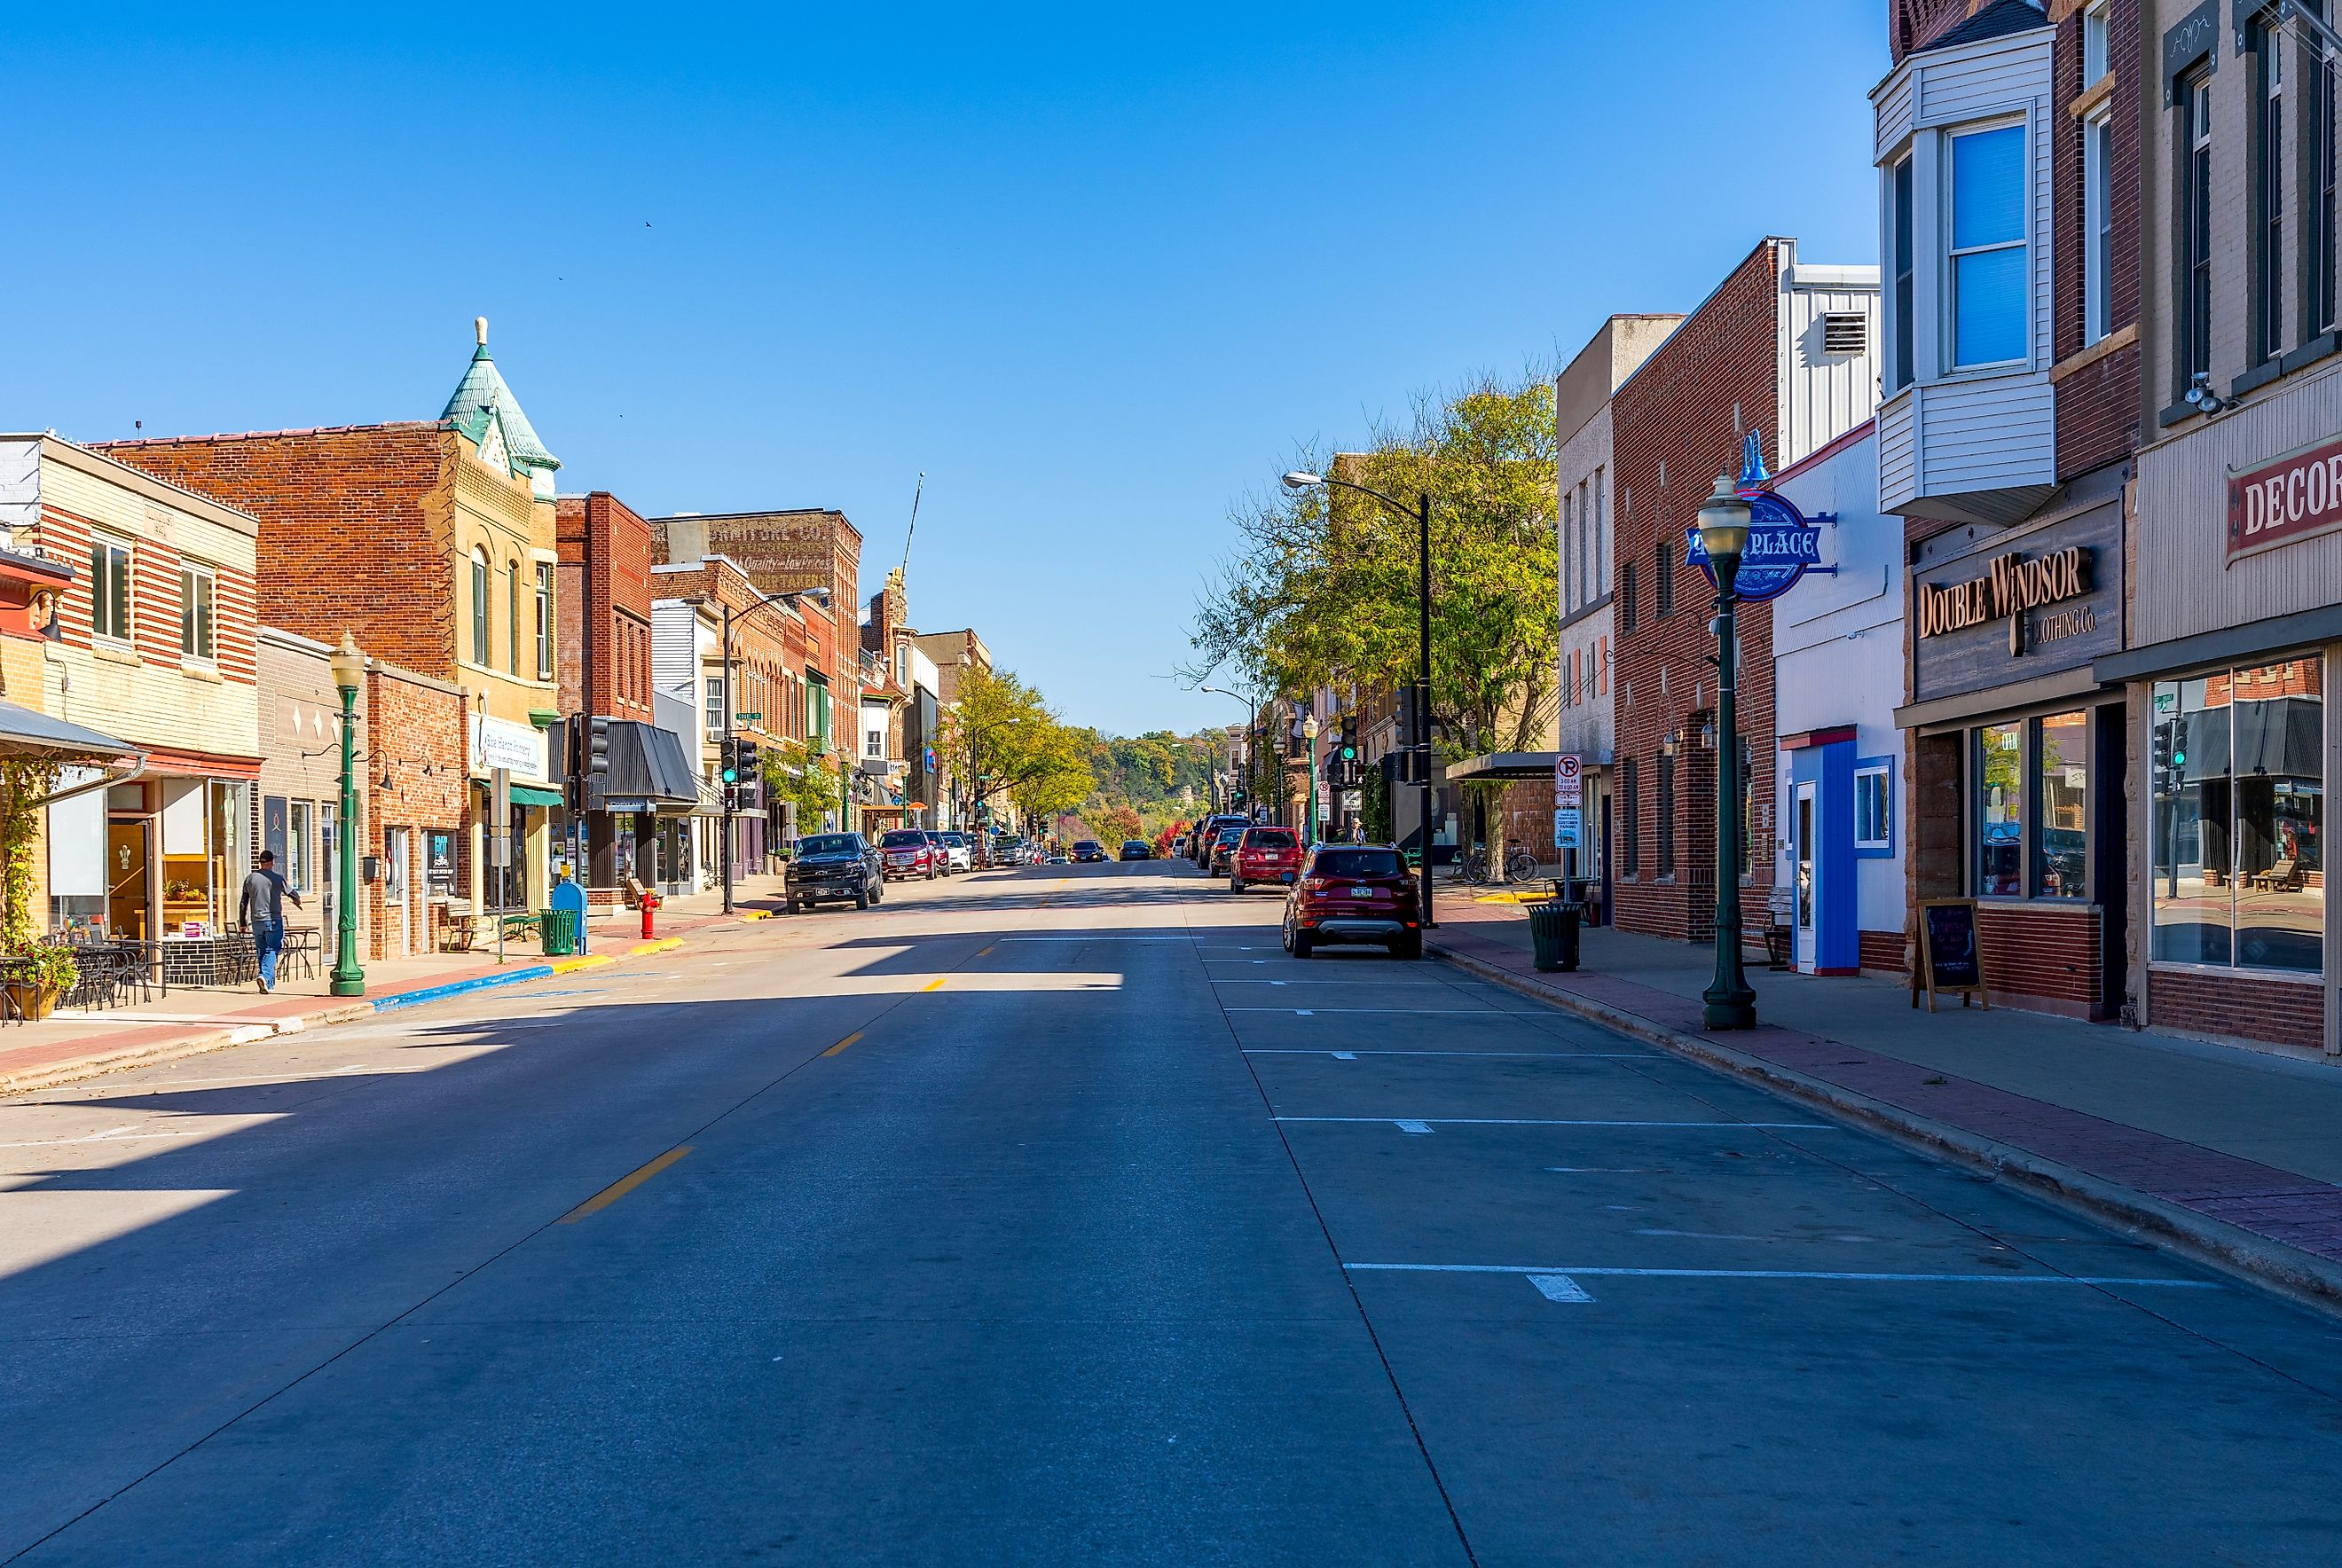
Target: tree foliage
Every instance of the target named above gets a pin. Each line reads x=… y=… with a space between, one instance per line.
x=1001 y=739
x=1322 y=589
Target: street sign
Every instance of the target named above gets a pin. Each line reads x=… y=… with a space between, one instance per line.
x=1568 y=801
x=500 y=818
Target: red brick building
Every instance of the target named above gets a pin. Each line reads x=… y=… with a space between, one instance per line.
x=1759 y=354
x=633 y=821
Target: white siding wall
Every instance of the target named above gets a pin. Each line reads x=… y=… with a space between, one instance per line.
x=20 y=485
x=1826 y=394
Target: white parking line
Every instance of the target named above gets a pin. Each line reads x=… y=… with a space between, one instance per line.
x=1541 y=1270
x=1559 y=1288
x=1420 y=1012
x=1532 y=1056
x=1540 y=1122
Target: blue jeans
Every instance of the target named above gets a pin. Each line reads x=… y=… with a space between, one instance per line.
x=268 y=942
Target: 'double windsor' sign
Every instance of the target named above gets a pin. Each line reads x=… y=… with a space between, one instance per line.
x=1782 y=544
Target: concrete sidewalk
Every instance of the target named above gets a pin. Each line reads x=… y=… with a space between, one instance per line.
x=73 y=1045
x=2234 y=1155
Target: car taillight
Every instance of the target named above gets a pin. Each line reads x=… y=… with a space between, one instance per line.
x=1315 y=884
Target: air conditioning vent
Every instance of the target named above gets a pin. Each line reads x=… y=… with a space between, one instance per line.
x=1846 y=332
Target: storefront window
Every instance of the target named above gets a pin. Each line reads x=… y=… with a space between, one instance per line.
x=2061 y=831
x=2238 y=782
x=1999 y=763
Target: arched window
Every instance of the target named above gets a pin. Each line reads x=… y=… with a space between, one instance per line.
x=479 y=606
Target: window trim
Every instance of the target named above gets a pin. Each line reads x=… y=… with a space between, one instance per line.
x=1874 y=848
x=1948 y=285
x=2265 y=223
x=190 y=573
x=545 y=620
x=512 y=617
x=2316 y=193
x=2192 y=269
x=2097 y=226
x=2097 y=41
x=480 y=573
x=102 y=548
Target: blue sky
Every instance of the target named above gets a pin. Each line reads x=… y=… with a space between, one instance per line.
x=1096 y=269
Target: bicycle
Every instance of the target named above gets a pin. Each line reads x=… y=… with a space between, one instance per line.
x=1520 y=865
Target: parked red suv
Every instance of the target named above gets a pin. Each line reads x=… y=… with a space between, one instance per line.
x=1353 y=892
x=1265 y=855
x=907 y=852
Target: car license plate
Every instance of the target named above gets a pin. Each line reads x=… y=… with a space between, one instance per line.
x=1362 y=893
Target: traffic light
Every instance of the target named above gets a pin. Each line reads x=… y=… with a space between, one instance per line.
x=747 y=760
x=1349 y=751
x=2161 y=748
x=728 y=759
x=597 y=745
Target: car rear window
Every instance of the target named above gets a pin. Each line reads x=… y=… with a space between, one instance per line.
x=1269 y=838
x=1359 y=863
x=903 y=838
x=828 y=844
x=1229 y=835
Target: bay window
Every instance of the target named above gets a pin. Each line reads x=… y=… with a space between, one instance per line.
x=2238 y=784
x=1990 y=277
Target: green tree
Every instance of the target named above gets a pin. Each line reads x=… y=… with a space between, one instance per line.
x=1001 y=740
x=1322 y=590
x=792 y=774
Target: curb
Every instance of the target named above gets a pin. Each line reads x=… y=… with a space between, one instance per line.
x=2302 y=1277
x=164 y=1051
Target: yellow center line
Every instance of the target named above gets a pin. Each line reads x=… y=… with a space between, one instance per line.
x=842 y=1044
x=984 y=952
x=935 y=985
x=623 y=1185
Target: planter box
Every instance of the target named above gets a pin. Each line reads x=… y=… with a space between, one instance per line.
x=34 y=1001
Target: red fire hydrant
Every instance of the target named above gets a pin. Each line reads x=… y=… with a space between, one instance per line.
x=650 y=901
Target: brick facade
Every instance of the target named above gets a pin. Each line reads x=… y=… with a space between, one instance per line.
x=414 y=780
x=2238 y=1006
x=2097 y=394
x=1676 y=423
x=2041 y=958
x=603 y=606
x=330 y=560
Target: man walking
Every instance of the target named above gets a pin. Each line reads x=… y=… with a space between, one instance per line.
x=262 y=908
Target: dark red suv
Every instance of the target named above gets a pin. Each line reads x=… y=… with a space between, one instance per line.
x=1353 y=892
x=907 y=852
x=1265 y=855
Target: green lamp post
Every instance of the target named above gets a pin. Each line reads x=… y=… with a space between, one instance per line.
x=348 y=664
x=1728 y=1003
x=1309 y=734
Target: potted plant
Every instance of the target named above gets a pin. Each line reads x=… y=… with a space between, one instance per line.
x=43 y=974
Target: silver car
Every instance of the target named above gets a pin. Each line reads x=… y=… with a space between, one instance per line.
x=958 y=855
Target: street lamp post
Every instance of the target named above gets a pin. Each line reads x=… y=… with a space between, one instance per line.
x=819 y=595
x=348 y=666
x=1724 y=536
x=1309 y=734
x=1420 y=745
x=1252 y=722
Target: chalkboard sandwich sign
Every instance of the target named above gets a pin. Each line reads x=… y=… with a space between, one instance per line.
x=1950 y=959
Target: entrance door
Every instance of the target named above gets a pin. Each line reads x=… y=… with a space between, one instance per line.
x=126 y=887
x=1806 y=923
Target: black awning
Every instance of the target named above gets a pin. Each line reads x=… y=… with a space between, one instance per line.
x=647 y=772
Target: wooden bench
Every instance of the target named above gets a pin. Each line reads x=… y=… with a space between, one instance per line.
x=2285 y=876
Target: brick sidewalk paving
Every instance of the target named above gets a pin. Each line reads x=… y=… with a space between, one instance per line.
x=2280 y=1225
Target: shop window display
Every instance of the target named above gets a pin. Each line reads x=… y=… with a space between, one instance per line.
x=2238 y=787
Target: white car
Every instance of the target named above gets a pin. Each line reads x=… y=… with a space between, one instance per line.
x=958 y=856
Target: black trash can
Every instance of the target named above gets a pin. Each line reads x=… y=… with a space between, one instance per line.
x=1553 y=936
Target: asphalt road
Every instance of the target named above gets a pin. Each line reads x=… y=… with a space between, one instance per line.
x=1057 y=1217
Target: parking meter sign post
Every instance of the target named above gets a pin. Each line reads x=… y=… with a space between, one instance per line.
x=500 y=834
